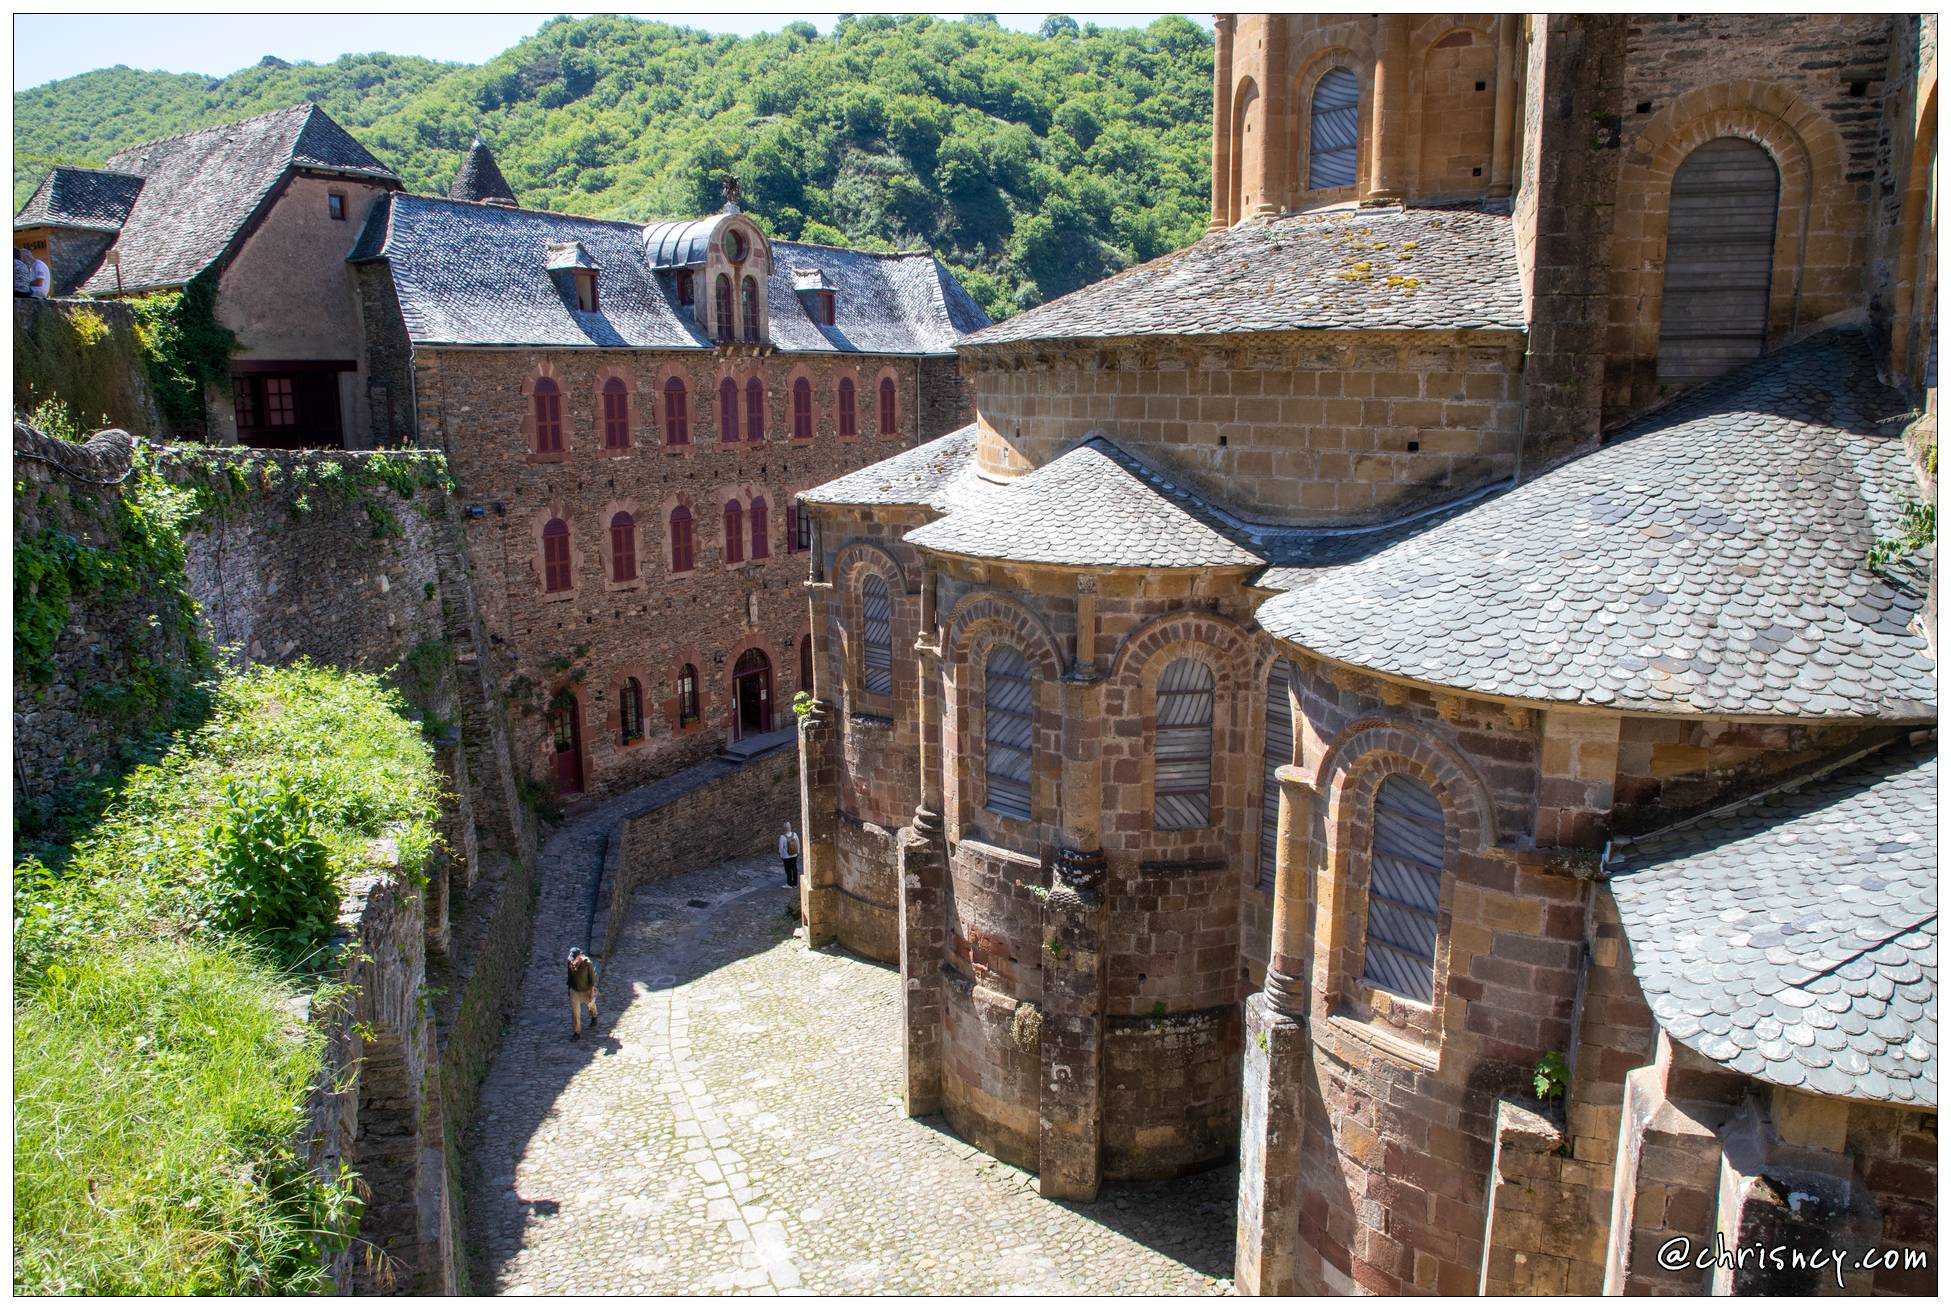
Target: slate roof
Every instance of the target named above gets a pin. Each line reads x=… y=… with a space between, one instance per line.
x=679 y=243
x=1794 y=938
x=1457 y=269
x=938 y=475
x=472 y=274
x=87 y=198
x=201 y=188
x=1711 y=560
x=479 y=178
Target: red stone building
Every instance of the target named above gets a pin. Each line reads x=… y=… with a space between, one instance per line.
x=1449 y=627
x=629 y=411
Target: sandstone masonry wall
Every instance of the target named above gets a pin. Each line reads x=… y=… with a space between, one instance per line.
x=104 y=384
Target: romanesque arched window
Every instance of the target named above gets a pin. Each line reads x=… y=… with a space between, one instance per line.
x=877 y=636
x=802 y=410
x=547 y=401
x=849 y=421
x=1279 y=750
x=1405 y=882
x=755 y=410
x=734 y=532
x=1720 y=260
x=630 y=711
x=1334 y=130
x=683 y=545
x=1007 y=712
x=723 y=301
x=677 y=420
x=749 y=303
x=616 y=414
x=1182 y=789
x=727 y=410
x=889 y=417
x=687 y=696
x=556 y=574
x=761 y=538
x=623 y=547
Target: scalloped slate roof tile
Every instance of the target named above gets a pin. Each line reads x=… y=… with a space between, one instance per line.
x=1710 y=561
x=201 y=188
x=87 y=198
x=474 y=274
x=1454 y=269
x=938 y=475
x=1794 y=938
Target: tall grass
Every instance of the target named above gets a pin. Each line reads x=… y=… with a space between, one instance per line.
x=160 y=1069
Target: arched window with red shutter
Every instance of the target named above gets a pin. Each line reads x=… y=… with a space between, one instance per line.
x=849 y=424
x=677 y=421
x=547 y=399
x=724 y=304
x=755 y=410
x=616 y=414
x=802 y=410
x=623 y=547
x=630 y=711
x=761 y=539
x=734 y=533
x=727 y=410
x=556 y=574
x=890 y=418
x=683 y=547
x=749 y=303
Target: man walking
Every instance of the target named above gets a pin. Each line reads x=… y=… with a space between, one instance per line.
x=582 y=991
x=789 y=854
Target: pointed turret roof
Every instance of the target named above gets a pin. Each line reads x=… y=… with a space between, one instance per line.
x=480 y=178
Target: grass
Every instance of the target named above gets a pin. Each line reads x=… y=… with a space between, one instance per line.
x=160 y=1073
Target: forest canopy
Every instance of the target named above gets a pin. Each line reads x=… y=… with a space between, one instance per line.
x=1033 y=164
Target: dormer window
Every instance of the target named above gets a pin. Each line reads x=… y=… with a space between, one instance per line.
x=686 y=292
x=575 y=272
x=735 y=247
x=815 y=294
x=826 y=308
x=586 y=292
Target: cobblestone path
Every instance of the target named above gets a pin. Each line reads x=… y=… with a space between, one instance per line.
x=734 y=1124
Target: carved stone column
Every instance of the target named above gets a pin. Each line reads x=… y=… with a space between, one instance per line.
x=1272 y=1105
x=1222 y=122
x=1504 y=116
x=1387 y=175
x=819 y=783
x=921 y=887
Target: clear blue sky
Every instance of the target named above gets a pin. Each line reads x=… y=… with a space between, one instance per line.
x=52 y=46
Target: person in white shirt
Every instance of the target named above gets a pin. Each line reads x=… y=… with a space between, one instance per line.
x=789 y=854
x=38 y=288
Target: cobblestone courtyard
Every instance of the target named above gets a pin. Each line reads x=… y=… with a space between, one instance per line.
x=734 y=1123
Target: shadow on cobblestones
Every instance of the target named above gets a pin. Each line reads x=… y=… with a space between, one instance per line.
x=736 y=1125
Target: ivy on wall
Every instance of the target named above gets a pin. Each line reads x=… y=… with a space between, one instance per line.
x=185 y=349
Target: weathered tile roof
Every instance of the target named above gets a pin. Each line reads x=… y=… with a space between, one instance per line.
x=1794 y=938
x=479 y=178
x=200 y=188
x=1363 y=269
x=1709 y=561
x=472 y=274
x=88 y=198
x=1093 y=506
x=939 y=475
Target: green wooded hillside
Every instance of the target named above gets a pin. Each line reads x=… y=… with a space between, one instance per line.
x=1033 y=164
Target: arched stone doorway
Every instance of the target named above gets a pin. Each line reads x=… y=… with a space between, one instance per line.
x=751 y=695
x=1720 y=260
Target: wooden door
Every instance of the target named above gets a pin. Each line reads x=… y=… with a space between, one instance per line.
x=1720 y=260
x=752 y=683
x=566 y=730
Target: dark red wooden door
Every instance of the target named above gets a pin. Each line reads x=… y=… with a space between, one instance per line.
x=567 y=732
x=753 y=679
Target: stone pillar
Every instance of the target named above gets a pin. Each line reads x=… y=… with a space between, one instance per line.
x=1386 y=183
x=1070 y=1103
x=1504 y=116
x=1665 y=1182
x=819 y=782
x=921 y=884
x=1278 y=156
x=1266 y=1260
x=1222 y=121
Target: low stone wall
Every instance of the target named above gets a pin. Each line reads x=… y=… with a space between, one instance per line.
x=864 y=907
x=377 y=1109
x=1171 y=1092
x=1545 y=1233
x=731 y=808
x=96 y=369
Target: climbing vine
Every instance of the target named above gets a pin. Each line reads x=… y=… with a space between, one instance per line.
x=185 y=349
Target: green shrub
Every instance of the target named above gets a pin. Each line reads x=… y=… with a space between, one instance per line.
x=271 y=876
x=90 y=327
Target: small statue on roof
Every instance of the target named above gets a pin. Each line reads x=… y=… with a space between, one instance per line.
x=729 y=181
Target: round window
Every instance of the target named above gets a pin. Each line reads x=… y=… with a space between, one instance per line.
x=735 y=246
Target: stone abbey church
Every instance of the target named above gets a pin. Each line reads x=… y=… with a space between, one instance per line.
x=1425 y=692
x=1428 y=693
